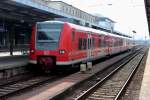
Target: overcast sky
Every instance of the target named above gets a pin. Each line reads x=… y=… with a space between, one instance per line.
x=129 y=15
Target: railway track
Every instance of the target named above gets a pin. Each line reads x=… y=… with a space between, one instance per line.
x=19 y=86
x=12 y=88
x=111 y=87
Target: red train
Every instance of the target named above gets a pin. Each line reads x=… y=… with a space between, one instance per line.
x=62 y=43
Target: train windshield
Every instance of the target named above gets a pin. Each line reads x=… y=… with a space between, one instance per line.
x=48 y=35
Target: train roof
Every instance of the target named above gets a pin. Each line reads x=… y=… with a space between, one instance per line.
x=95 y=31
x=87 y=29
x=114 y=35
x=59 y=22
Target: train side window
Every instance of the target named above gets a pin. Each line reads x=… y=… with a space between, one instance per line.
x=99 y=42
x=105 y=43
x=84 y=43
x=80 y=44
x=119 y=42
x=93 y=43
x=115 y=42
x=73 y=35
x=122 y=42
x=89 y=43
x=110 y=42
x=102 y=42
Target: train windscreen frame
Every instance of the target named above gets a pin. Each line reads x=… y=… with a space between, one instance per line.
x=48 y=34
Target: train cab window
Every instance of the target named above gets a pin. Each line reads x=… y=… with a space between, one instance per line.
x=43 y=36
x=48 y=34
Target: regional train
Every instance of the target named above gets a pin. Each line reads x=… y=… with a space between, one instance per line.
x=56 y=43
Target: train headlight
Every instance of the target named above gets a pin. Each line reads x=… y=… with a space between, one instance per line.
x=32 y=51
x=61 y=51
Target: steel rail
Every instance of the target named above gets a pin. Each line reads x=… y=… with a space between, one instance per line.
x=93 y=88
x=12 y=89
x=128 y=80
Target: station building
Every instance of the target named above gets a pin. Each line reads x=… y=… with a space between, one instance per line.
x=86 y=18
x=106 y=23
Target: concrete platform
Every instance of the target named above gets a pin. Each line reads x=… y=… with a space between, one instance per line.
x=12 y=62
x=145 y=87
x=54 y=89
x=15 y=53
x=12 y=65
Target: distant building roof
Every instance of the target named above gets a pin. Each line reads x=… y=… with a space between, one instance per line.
x=74 y=11
x=104 y=18
x=121 y=34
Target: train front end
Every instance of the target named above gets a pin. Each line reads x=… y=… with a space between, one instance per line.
x=44 y=48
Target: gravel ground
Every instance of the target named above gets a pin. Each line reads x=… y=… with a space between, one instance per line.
x=133 y=90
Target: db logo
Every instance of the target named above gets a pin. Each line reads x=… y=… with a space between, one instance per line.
x=46 y=52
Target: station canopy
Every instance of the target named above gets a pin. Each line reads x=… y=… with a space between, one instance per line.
x=147 y=6
x=27 y=11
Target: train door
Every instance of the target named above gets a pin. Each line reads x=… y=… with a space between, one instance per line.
x=89 y=45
